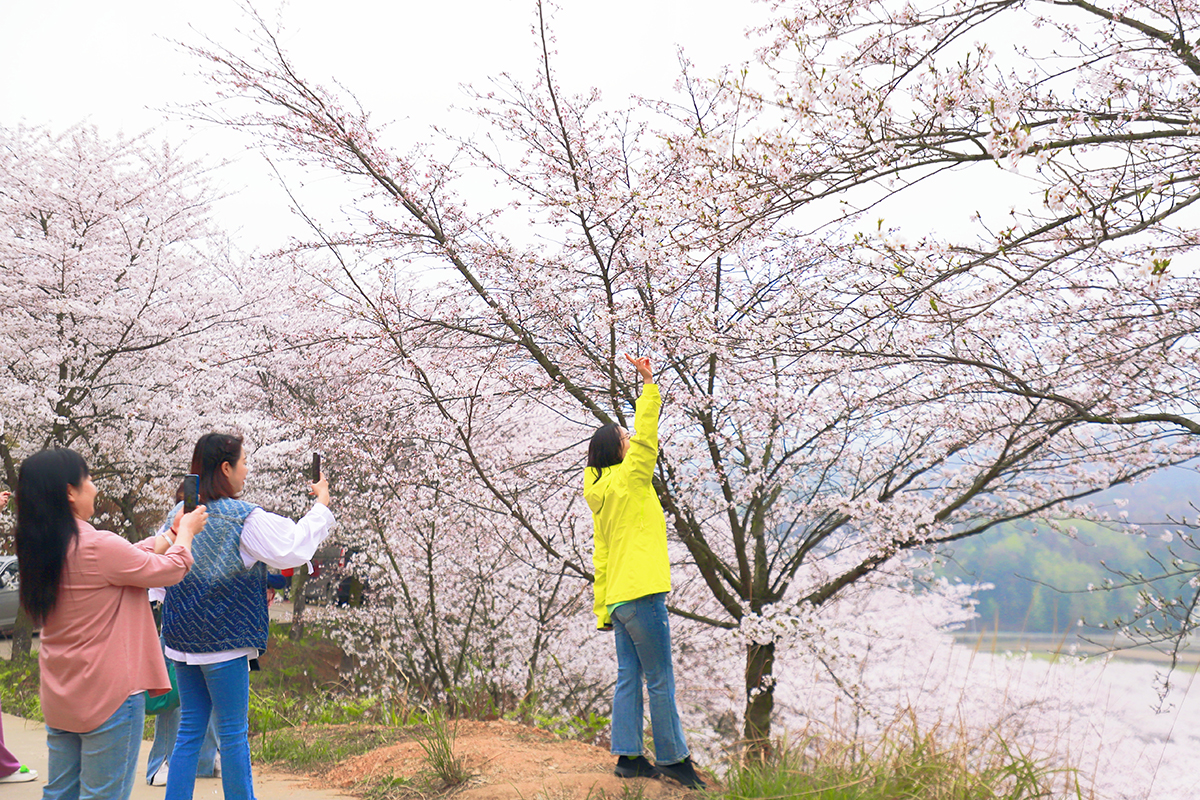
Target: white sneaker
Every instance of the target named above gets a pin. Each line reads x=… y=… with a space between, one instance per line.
x=23 y=774
x=160 y=777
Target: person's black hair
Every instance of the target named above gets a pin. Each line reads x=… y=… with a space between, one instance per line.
x=213 y=450
x=46 y=526
x=604 y=450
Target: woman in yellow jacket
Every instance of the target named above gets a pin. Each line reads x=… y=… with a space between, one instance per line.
x=633 y=576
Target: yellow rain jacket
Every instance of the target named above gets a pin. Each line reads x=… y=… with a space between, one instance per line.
x=630 y=533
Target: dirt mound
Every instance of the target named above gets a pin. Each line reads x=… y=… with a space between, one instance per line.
x=508 y=761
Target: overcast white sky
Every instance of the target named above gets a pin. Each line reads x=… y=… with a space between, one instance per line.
x=114 y=64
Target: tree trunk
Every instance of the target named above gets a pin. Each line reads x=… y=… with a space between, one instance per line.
x=299 y=578
x=760 y=697
x=22 y=635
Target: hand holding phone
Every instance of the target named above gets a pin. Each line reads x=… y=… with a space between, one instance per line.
x=191 y=493
x=189 y=525
x=320 y=486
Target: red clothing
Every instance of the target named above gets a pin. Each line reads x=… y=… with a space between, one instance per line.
x=99 y=645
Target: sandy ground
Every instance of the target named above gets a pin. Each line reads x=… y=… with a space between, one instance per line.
x=507 y=761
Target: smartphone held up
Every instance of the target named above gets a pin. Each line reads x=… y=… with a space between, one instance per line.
x=316 y=467
x=191 y=493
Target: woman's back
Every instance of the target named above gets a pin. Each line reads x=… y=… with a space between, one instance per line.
x=221 y=604
x=630 y=534
x=99 y=642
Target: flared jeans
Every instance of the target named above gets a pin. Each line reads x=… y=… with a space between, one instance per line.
x=643 y=638
x=223 y=690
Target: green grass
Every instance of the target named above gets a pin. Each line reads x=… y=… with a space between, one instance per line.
x=437 y=740
x=309 y=749
x=19 y=685
x=907 y=765
x=390 y=788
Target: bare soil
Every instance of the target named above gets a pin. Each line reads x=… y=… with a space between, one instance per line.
x=508 y=761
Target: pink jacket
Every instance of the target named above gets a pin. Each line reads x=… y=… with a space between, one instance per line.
x=99 y=644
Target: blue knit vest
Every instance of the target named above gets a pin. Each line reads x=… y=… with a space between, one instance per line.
x=221 y=604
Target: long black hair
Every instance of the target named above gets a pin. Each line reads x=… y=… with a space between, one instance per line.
x=604 y=450
x=46 y=526
x=213 y=450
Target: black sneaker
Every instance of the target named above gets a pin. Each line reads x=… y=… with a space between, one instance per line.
x=684 y=772
x=634 y=767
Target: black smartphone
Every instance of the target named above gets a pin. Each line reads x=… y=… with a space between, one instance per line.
x=316 y=467
x=191 y=493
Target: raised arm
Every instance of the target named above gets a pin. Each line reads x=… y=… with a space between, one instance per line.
x=643 y=445
x=280 y=543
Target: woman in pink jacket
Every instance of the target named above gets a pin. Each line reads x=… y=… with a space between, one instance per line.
x=99 y=648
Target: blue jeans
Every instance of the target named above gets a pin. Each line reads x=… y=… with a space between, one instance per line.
x=100 y=764
x=166 y=729
x=643 y=637
x=205 y=690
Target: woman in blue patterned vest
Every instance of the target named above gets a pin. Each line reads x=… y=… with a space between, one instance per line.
x=215 y=620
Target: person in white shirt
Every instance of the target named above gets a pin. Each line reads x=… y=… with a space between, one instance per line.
x=216 y=619
x=166 y=728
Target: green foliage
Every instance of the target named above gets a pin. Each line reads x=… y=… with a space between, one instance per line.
x=305 y=749
x=1041 y=577
x=299 y=684
x=584 y=729
x=908 y=765
x=19 y=687
x=271 y=711
x=393 y=786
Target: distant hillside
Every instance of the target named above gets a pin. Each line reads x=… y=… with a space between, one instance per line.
x=1041 y=577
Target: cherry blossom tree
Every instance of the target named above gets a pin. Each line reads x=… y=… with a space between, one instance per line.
x=833 y=400
x=118 y=305
x=1089 y=110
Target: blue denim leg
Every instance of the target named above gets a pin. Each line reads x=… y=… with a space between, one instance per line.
x=221 y=690
x=100 y=764
x=62 y=778
x=166 y=727
x=646 y=623
x=208 y=749
x=627 y=715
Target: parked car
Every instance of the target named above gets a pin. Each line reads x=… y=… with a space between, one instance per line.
x=9 y=590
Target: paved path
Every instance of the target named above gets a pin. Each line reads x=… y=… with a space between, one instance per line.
x=6 y=646
x=27 y=741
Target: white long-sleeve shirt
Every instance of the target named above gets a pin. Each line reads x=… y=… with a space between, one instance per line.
x=277 y=542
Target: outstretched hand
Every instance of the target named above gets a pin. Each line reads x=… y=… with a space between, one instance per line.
x=642 y=363
x=4 y=498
